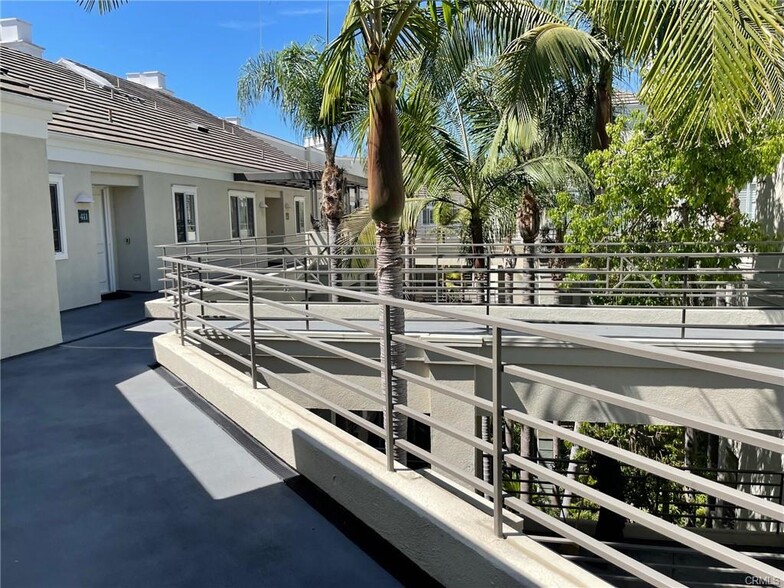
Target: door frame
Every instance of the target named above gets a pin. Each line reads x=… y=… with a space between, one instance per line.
x=108 y=230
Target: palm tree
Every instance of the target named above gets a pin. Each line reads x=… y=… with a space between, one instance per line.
x=706 y=64
x=384 y=33
x=451 y=122
x=357 y=234
x=289 y=79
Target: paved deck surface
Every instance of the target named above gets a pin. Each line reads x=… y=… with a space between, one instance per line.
x=110 y=477
x=98 y=318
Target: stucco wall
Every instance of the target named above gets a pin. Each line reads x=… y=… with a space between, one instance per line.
x=212 y=208
x=77 y=276
x=132 y=268
x=770 y=202
x=143 y=218
x=29 y=308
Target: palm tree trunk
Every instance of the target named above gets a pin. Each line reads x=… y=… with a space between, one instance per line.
x=527 y=450
x=409 y=242
x=390 y=283
x=603 y=108
x=476 y=231
x=332 y=189
x=386 y=198
x=510 y=262
x=528 y=221
x=529 y=277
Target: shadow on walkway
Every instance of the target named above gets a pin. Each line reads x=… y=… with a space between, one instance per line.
x=111 y=478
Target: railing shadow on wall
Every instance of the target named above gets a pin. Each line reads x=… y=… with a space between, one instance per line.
x=238 y=333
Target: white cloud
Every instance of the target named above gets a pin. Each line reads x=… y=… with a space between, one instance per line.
x=301 y=12
x=244 y=25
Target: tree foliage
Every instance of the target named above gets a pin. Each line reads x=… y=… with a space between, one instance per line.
x=651 y=189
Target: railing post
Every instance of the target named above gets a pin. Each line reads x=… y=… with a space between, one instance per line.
x=498 y=437
x=487 y=285
x=389 y=413
x=684 y=299
x=180 y=309
x=307 y=290
x=252 y=327
x=201 y=287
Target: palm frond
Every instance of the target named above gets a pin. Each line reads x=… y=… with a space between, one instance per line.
x=708 y=64
x=104 y=6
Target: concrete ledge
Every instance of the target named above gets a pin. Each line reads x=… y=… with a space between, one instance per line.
x=444 y=535
x=160 y=308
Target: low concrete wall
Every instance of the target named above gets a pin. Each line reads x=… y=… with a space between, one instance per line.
x=446 y=536
x=161 y=309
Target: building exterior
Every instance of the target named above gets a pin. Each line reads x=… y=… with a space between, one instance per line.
x=98 y=170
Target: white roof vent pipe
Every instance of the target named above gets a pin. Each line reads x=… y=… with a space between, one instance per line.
x=18 y=34
x=154 y=80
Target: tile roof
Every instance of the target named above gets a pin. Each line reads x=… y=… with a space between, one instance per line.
x=9 y=84
x=127 y=113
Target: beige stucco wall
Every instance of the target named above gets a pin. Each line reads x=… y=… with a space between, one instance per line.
x=77 y=276
x=212 y=208
x=29 y=307
x=143 y=218
x=770 y=202
x=131 y=248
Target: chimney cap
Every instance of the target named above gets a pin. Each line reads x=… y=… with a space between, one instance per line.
x=154 y=79
x=18 y=34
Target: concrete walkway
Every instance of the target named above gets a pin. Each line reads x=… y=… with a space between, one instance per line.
x=110 y=477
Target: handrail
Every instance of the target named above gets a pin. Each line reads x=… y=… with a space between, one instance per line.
x=218 y=324
x=760 y=374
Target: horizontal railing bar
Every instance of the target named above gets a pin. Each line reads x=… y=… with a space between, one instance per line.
x=216 y=306
x=640 y=406
x=741 y=499
x=469 y=358
x=319 y=372
x=350 y=355
x=206 y=341
x=346 y=414
x=308 y=314
x=209 y=326
x=424 y=455
x=436 y=387
x=723 y=366
x=595 y=546
x=696 y=542
x=444 y=428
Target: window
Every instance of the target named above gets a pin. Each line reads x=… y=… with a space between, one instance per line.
x=185 y=213
x=748 y=199
x=57 y=204
x=426 y=218
x=242 y=214
x=299 y=213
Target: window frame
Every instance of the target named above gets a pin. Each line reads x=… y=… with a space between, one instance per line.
x=250 y=196
x=298 y=199
x=57 y=180
x=186 y=191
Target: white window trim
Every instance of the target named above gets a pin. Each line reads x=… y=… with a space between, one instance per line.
x=185 y=190
x=242 y=194
x=57 y=179
x=304 y=216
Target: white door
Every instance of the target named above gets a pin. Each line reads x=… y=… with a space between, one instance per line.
x=104 y=244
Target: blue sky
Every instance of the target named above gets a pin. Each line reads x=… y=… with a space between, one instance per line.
x=199 y=45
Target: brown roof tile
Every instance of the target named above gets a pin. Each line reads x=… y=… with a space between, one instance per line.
x=131 y=114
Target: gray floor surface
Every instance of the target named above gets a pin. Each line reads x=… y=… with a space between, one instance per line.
x=111 y=314
x=111 y=478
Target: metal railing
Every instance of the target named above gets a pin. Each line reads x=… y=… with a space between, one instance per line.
x=674 y=503
x=683 y=276
x=237 y=334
